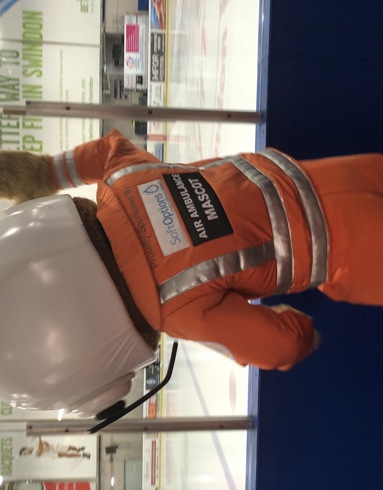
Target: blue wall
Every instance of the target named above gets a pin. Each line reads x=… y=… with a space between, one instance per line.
x=321 y=424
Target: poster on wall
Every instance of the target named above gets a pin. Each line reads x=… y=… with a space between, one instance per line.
x=42 y=58
x=157 y=9
x=157 y=57
x=50 y=485
x=66 y=485
x=135 y=52
x=48 y=457
x=157 y=68
x=150 y=469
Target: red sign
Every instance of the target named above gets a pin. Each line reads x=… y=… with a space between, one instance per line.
x=82 y=485
x=132 y=38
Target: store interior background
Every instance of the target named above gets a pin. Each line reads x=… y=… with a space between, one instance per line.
x=113 y=92
x=319 y=425
x=208 y=45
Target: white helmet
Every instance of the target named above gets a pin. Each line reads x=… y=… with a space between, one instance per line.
x=66 y=339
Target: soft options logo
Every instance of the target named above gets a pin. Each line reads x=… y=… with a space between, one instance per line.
x=152 y=189
x=163 y=217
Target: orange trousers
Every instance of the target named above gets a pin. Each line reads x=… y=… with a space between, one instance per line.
x=350 y=189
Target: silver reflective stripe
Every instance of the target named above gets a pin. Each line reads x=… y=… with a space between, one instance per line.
x=146 y=166
x=278 y=218
x=280 y=248
x=314 y=215
x=279 y=223
x=209 y=270
x=58 y=163
x=72 y=170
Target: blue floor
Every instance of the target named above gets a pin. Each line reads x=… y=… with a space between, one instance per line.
x=320 y=424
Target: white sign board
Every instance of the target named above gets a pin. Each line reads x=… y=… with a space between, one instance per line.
x=48 y=458
x=45 y=54
x=135 y=52
x=68 y=21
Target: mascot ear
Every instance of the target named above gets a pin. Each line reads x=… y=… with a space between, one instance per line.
x=25 y=176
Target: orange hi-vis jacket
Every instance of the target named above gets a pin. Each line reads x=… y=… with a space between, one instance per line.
x=196 y=242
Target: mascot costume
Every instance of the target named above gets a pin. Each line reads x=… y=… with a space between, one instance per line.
x=180 y=249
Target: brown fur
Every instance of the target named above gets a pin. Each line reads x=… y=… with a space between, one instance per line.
x=87 y=210
x=25 y=176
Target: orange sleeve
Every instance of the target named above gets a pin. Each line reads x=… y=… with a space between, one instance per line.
x=88 y=163
x=122 y=151
x=256 y=335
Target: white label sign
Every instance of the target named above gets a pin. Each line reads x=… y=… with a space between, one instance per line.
x=163 y=217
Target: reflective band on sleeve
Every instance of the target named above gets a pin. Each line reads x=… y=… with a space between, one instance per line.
x=72 y=170
x=209 y=270
x=58 y=165
x=143 y=167
x=314 y=215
